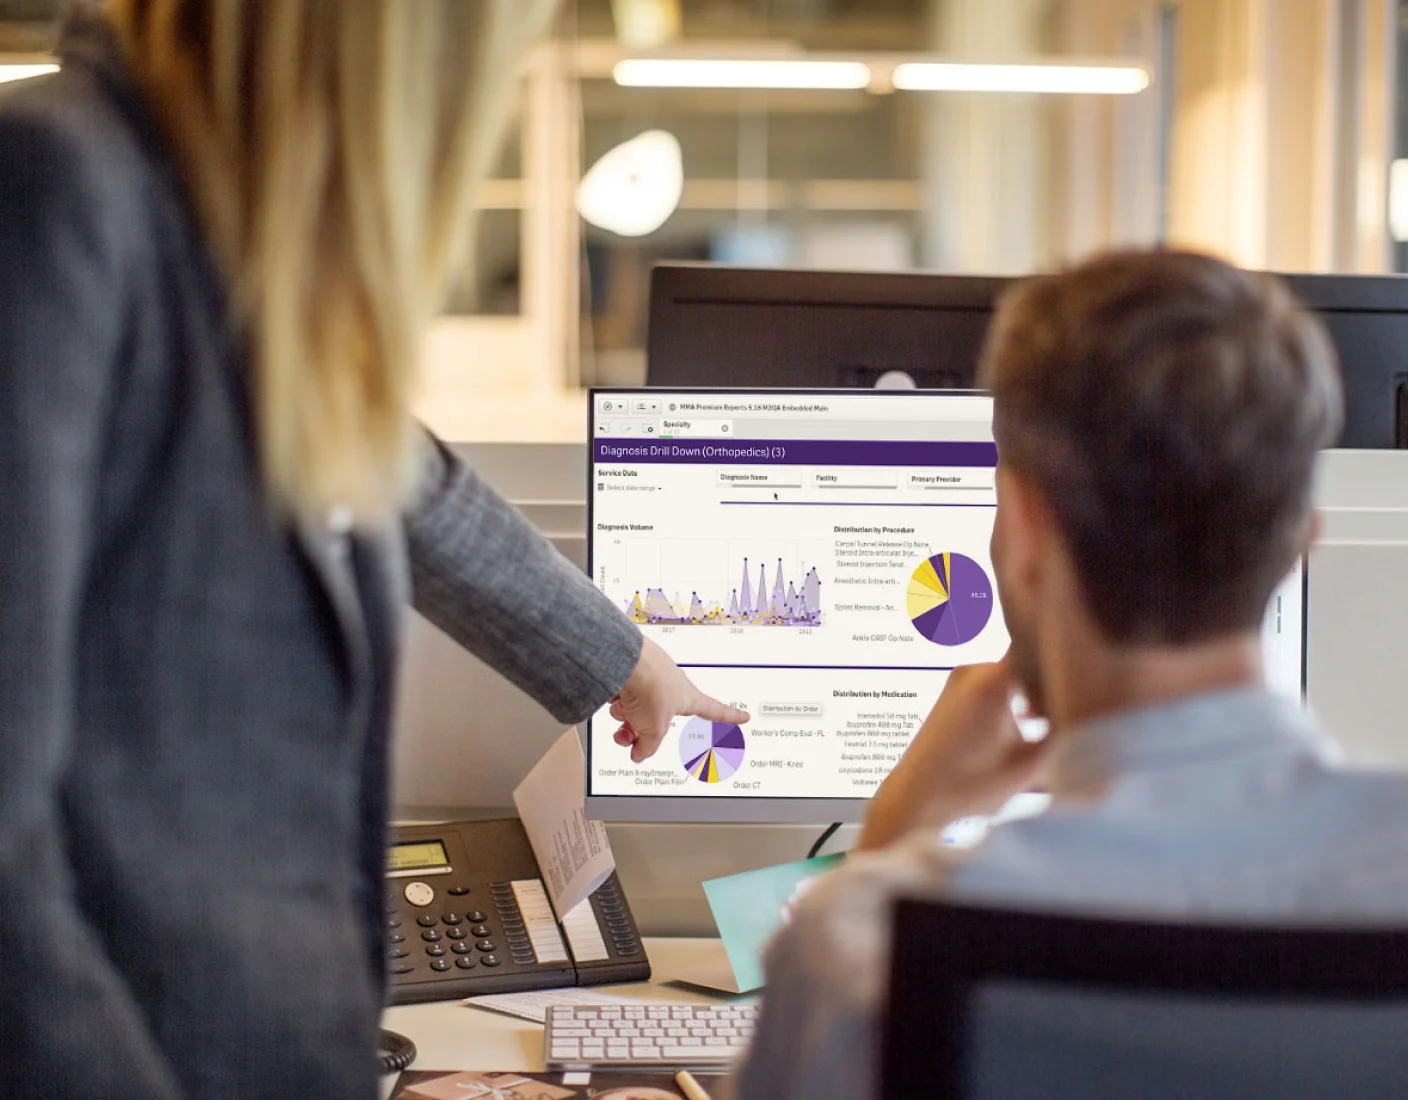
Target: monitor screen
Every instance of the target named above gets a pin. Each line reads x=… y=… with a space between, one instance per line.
x=819 y=558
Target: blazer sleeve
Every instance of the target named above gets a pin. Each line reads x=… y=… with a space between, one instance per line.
x=69 y=1025
x=485 y=576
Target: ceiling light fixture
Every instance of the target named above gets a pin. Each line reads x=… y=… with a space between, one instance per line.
x=698 y=72
x=943 y=76
x=635 y=188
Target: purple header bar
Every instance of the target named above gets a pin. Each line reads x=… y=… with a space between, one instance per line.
x=794 y=452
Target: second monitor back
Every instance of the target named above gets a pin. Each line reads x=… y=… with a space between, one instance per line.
x=724 y=326
x=714 y=325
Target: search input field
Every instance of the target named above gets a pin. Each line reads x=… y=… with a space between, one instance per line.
x=696 y=429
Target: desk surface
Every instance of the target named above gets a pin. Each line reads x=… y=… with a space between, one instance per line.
x=450 y=1036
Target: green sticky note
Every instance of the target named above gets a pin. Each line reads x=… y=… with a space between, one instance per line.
x=748 y=909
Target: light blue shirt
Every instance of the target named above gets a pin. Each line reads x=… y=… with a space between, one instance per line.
x=1223 y=806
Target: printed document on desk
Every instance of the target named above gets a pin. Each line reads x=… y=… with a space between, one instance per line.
x=573 y=853
x=534 y=1006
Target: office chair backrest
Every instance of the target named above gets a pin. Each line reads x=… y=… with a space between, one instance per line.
x=994 y=1005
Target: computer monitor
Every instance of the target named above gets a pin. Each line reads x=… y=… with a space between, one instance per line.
x=819 y=558
x=1367 y=318
x=712 y=325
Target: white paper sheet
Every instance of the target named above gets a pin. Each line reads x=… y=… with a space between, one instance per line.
x=573 y=853
x=534 y=1006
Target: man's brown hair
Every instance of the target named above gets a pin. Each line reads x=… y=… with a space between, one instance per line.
x=1169 y=408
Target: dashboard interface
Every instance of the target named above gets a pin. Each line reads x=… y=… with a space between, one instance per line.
x=819 y=559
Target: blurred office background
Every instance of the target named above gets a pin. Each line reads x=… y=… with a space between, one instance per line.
x=1273 y=132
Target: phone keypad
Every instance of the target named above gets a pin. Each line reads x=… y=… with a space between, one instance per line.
x=469 y=935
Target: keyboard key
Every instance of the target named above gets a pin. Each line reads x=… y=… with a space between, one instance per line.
x=685 y=1054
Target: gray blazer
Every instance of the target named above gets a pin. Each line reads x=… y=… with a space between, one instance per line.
x=194 y=700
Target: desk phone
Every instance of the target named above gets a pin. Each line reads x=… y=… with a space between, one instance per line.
x=467 y=913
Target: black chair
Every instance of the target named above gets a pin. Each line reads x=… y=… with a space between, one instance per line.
x=996 y=1005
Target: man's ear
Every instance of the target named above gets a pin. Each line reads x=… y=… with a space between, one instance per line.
x=1022 y=529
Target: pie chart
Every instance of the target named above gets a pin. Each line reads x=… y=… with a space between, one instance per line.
x=711 y=751
x=949 y=599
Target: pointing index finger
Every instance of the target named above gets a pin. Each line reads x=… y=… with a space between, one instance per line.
x=707 y=707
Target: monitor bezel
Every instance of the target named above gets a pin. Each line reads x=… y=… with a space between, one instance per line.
x=746 y=810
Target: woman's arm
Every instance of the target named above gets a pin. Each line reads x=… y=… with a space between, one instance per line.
x=485 y=576
x=69 y=1026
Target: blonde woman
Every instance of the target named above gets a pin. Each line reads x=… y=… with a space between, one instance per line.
x=223 y=226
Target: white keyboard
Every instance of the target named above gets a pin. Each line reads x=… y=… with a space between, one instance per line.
x=679 y=1035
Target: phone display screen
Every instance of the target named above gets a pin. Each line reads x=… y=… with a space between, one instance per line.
x=417 y=855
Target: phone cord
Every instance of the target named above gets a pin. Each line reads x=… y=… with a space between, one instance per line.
x=398 y=1052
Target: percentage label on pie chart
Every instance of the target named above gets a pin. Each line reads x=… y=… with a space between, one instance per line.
x=711 y=751
x=950 y=599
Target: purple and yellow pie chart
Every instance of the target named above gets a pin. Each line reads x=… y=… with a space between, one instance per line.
x=949 y=599
x=711 y=751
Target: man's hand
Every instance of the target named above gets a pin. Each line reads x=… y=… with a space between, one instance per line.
x=968 y=758
x=656 y=693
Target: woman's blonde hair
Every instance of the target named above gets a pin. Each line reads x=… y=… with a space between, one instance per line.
x=332 y=149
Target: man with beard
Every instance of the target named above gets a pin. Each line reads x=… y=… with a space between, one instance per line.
x=1157 y=418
